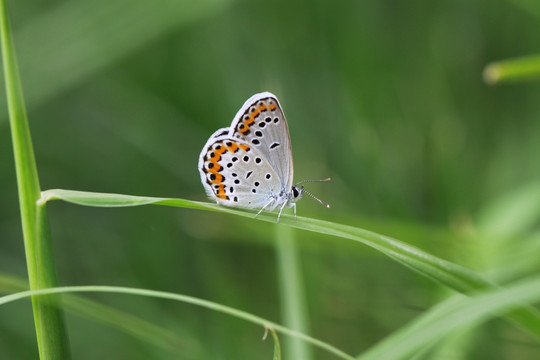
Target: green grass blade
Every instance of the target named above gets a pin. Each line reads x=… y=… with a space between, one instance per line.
x=450 y=315
x=292 y=293
x=48 y=317
x=519 y=69
x=182 y=298
x=50 y=331
x=453 y=275
x=277 y=346
x=117 y=319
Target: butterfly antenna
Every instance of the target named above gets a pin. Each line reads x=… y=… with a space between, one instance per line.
x=316 y=198
x=304 y=181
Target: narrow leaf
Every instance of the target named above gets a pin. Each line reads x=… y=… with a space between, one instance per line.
x=185 y=299
x=453 y=275
x=450 y=315
x=117 y=319
x=519 y=69
x=48 y=319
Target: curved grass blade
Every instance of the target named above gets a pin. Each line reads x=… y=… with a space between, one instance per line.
x=117 y=319
x=455 y=276
x=450 y=315
x=277 y=346
x=185 y=299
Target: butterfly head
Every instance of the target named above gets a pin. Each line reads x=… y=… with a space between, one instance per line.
x=297 y=193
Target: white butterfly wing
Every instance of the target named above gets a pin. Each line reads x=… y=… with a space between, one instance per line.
x=261 y=124
x=235 y=173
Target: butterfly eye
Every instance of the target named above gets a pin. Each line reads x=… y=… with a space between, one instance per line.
x=295 y=192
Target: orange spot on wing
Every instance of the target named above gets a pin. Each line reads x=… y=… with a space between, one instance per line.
x=221 y=192
x=263 y=108
x=215 y=169
x=217 y=153
x=273 y=107
x=233 y=147
x=218 y=179
x=244 y=147
x=247 y=123
x=221 y=150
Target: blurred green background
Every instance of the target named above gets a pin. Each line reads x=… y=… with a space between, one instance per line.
x=385 y=97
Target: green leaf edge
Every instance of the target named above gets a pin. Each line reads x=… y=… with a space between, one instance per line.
x=453 y=275
x=456 y=312
x=182 y=298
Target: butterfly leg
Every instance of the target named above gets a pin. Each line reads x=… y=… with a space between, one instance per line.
x=280 y=210
x=264 y=207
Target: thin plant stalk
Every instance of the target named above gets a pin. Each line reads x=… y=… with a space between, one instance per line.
x=48 y=319
x=292 y=294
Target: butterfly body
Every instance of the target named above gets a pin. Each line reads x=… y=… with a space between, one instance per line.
x=249 y=164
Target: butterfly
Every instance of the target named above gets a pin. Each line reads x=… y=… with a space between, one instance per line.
x=250 y=164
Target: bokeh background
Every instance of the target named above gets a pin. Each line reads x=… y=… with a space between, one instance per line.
x=386 y=97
